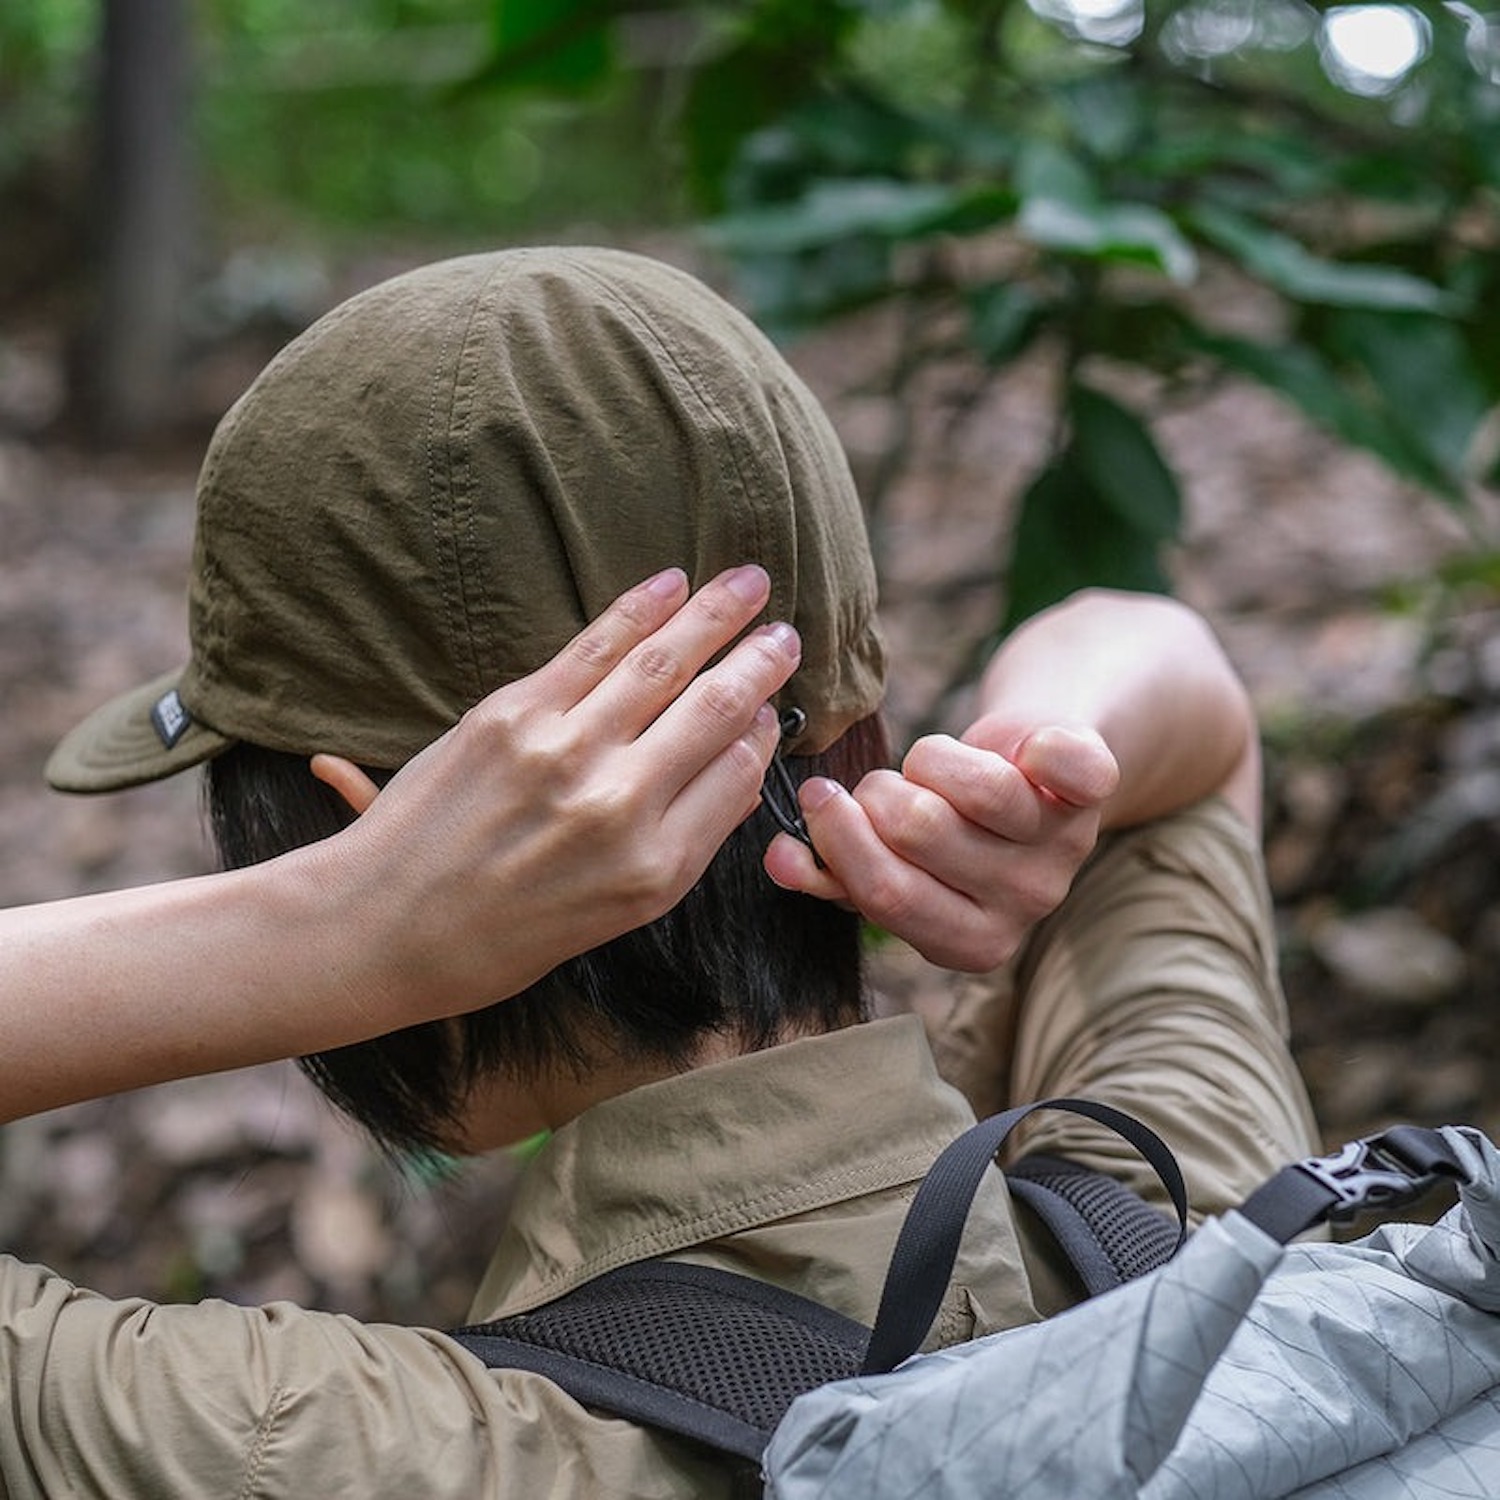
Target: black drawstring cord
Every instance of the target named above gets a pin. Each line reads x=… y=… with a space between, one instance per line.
x=778 y=792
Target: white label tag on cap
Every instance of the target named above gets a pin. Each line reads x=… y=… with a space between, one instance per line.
x=170 y=719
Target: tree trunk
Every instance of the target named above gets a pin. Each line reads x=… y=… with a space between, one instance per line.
x=143 y=218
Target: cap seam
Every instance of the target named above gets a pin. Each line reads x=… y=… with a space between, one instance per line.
x=727 y=427
x=449 y=548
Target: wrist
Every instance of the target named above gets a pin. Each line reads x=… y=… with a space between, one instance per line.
x=350 y=967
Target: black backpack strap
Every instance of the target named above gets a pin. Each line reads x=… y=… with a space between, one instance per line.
x=691 y=1350
x=927 y=1247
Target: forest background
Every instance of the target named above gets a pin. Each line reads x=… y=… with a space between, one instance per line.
x=1198 y=295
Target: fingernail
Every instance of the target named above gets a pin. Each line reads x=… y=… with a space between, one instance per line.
x=786 y=638
x=766 y=718
x=665 y=584
x=751 y=583
x=817 y=791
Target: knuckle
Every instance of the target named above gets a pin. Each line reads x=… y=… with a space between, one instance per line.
x=880 y=790
x=718 y=608
x=991 y=949
x=926 y=757
x=1040 y=891
x=916 y=824
x=769 y=655
x=999 y=785
x=594 y=649
x=1079 y=837
x=634 y=610
x=658 y=883
x=888 y=900
x=602 y=808
x=746 y=764
x=657 y=666
x=496 y=723
x=720 y=702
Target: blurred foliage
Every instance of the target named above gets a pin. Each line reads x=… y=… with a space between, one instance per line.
x=41 y=44
x=362 y=114
x=354 y=115
x=1096 y=180
x=1102 y=177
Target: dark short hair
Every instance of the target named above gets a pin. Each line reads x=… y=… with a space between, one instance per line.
x=737 y=957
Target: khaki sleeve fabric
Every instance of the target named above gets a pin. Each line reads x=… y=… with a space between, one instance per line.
x=104 y=1400
x=1154 y=988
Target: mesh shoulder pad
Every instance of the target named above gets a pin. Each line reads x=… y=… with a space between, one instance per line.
x=692 y=1350
x=1108 y=1232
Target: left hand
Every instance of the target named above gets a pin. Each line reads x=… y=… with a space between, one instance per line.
x=964 y=849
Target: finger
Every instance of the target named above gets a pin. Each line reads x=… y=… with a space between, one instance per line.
x=887 y=889
x=724 y=792
x=718 y=706
x=925 y=830
x=983 y=787
x=346 y=779
x=964 y=895
x=603 y=644
x=943 y=923
x=655 y=671
x=1075 y=765
x=793 y=866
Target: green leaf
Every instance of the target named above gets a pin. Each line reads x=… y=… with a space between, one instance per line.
x=1048 y=171
x=1125 y=468
x=1132 y=233
x=773 y=65
x=1265 y=164
x=787 y=293
x=562 y=46
x=833 y=210
x=1003 y=315
x=1069 y=536
x=1303 y=377
x=1288 y=266
x=1422 y=370
x=1108 y=112
x=1062 y=209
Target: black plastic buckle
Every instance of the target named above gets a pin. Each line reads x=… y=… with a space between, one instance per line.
x=1367 y=1174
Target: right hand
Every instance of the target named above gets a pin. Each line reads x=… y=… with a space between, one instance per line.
x=570 y=806
x=965 y=848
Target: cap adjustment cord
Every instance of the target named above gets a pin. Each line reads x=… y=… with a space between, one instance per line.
x=778 y=792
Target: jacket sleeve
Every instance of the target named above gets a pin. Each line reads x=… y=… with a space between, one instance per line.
x=104 y=1400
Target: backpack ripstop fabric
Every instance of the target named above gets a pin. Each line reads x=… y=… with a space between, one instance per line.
x=1241 y=1370
x=1237 y=1370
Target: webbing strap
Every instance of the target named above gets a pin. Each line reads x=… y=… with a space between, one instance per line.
x=927 y=1247
x=1377 y=1173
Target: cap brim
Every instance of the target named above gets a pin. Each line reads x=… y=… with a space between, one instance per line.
x=118 y=746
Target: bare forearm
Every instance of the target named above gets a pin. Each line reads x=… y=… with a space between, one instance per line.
x=120 y=990
x=1149 y=676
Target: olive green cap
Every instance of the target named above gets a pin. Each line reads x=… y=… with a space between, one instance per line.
x=435 y=487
